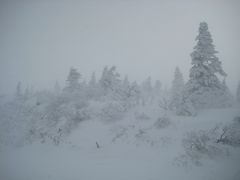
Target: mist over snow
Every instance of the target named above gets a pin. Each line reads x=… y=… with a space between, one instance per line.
x=40 y=41
x=123 y=90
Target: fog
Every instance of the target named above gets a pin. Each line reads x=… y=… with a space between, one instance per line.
x=59 y=121
x=41 y=40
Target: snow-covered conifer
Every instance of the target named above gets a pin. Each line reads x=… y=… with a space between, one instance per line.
x=110 y=80
x=204 y=87
x=177 y=91
x=73 y=80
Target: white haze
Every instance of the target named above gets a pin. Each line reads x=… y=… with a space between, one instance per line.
x=41 y=40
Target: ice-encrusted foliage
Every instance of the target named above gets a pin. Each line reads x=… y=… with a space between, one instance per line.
x=201 y=145
x=204 y=55
x=117 y=95
x=92 y=90
x=73 y=80
x=210 y=144
x=112 y=111
x=177 y=91
x=162 y=122
x=230 y=133
x=40 y=116
x=204 y=89
x=51 y=115
x=110 y=80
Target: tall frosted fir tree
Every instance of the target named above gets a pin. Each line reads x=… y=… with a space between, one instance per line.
x=73 y=80
x=177 y=91
x=204 y=89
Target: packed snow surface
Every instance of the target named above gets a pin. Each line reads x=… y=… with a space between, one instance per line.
x=138 y=147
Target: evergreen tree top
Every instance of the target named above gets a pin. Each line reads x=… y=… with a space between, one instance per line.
x=178 y=81
x=204 y=45
x=74 y=75
x=73 y=80
x=204 y=52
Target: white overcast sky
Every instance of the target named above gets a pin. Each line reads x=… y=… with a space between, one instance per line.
x=41 y=40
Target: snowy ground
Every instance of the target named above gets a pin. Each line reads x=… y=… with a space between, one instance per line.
x=131 y=149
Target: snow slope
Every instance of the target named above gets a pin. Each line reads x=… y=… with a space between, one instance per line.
x=134 y=148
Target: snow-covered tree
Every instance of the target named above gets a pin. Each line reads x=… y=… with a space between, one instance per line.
x=226 y=96
x=93 y=87
x=204 y=87
x=110 y=80
x=136 y=92
x=129 y=93
x=73 y=80
x=177 y=91
x=117 y=98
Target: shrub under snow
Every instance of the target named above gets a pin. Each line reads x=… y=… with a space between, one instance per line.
x=162 y=122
